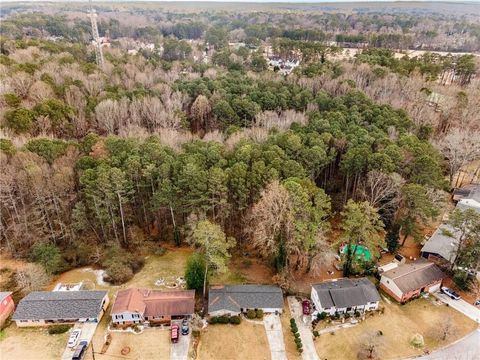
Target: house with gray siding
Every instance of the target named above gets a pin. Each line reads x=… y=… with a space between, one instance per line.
x=237 y=299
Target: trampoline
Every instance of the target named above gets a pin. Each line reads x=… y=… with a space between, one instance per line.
x=361 y=252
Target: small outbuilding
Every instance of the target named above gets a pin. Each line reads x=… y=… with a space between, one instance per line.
x=237 y=299
x=408 y=281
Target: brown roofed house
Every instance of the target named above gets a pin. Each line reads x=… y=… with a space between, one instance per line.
x=408 y=281
x=134 y=306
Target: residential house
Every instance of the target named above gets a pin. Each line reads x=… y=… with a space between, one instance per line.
x=408 y=281
x=344 y=296
x=6 y=306
x=471 y=191
x=443 y=244
x=135 y=306
x=237 y=299
x=41 y=308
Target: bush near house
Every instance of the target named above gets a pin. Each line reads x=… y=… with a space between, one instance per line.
x=251 y=314
x=58 y=329
x=225 y=319
x=259 y=314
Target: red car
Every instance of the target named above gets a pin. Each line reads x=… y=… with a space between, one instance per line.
x=306 y=307
x=174 y=333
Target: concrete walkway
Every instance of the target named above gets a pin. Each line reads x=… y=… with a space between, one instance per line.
x=304 y=328
x=273 y=328
x=460 y=305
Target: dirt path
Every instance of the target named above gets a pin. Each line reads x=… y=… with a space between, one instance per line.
x=309 y=352
x=273 y=328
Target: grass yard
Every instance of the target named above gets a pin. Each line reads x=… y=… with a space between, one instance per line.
x=31 y=344
x=290 y=347
x=224 y=342
x=152 y=344
x=168 y=266
x=398 y=324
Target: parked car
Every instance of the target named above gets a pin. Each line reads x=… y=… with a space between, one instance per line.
x=174 y=335
x=80 y=351
x=477 y=303
x=306 y=307
x=74 y=336
x=185 y=329
x=450 y=293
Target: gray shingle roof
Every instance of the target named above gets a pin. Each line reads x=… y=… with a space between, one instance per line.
x=344 y=293
x=235 y=297
x=471 y=191
x=441 y=243
x=415 y=275
x=46 y=305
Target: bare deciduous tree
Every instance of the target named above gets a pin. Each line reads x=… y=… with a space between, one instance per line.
x=459 y=146
x=382 y=190
x=200 y=111
x=33 y=277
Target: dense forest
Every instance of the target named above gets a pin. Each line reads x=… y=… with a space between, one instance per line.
x=155 y=147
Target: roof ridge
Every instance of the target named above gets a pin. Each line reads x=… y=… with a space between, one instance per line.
x=413 y=269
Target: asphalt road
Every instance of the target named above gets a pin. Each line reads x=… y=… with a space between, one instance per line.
x=467 y=348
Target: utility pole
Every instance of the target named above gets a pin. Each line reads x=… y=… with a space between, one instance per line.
x=96 y=37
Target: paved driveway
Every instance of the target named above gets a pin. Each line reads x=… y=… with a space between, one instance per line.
x=467 y=348
x=179 y=351
x=304 y=328
x=460 y=305
x=273 y=328
x=88 y=329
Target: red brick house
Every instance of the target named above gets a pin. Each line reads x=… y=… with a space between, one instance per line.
x=6 y=306
x=135 y=306
x=407 y=281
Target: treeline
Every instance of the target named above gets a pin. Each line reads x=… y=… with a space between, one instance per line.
x=115 y=193
x=379 y=30
x=430 y=65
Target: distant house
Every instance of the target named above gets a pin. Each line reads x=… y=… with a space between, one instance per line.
x=41 y=308
x=345 y=296
x=471 y=191
x=134 y=306
x=407 y=281
x=443 y=244
x=237 y=299
x=6 y=306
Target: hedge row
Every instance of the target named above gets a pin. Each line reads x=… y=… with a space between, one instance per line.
x=225 y=319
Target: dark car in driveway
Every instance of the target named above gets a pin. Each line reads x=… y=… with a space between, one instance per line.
x=80 y=350
x=185 y=328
